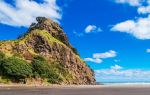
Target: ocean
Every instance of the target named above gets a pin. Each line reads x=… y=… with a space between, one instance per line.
x=124 y=83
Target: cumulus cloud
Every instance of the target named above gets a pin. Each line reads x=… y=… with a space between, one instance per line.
x=89 y=29
x=148 y=50
x=144 y=10
x=130 y=2
x=139 y=28
x=93 y=60
x=92 y=28
x=116 y=67
x=143 y=6
x=108 y=54
x=97 y=57
x=23 y=12
x=118 y=73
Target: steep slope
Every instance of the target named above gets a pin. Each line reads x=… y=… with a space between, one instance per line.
x=47 y=38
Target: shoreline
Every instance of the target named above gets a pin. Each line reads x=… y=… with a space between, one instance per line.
x=75 y=90
x=73 y=86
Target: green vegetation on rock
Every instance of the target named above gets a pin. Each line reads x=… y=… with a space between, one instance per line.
x=16 y=69
x=43 y=53
x=43 y=69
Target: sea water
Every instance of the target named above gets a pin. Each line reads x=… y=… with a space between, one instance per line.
x=124 y=83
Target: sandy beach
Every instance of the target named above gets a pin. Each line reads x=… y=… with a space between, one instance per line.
x=76 y=90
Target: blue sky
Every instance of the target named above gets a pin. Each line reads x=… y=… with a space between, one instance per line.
x=113 y=36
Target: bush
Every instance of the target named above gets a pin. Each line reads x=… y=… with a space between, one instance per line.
x=16 y=69
x=42 y=68
x=62 y=70
x=2 y=56
x=75 y=51
x=39 y=58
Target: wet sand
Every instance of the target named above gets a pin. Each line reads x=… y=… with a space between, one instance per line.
x=77 y=90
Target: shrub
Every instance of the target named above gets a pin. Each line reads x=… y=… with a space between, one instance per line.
x=42 y=68
x=39 y=58
x=2 y=56
x=62 y=70
x=16 y=69
x=75 y=51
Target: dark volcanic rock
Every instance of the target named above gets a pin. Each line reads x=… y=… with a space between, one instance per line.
x=52 y=27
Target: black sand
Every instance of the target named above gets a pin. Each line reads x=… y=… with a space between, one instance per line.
x=75 y=91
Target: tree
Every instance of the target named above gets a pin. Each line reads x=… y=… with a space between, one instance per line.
x=44 y=69
x=16 y=69
x=2 y=57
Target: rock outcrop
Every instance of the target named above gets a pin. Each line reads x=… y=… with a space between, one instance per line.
x=47 y=38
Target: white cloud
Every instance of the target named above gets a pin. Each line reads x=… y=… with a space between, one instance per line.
x=118 y=73
x=93 y=60
x=144 y=9
x=92 y=28
x=116 y=67
x=24 y=12
x=78 y=34
x=89 y=29
x=148 y=50
x=108 y=54
x=130 y=2
x=139 y=28
x=97 y=57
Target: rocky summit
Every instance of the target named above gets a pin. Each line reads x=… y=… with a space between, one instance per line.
x=46 y=38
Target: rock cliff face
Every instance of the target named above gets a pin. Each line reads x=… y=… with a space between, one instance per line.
x=52 y=27
x=47 y=38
